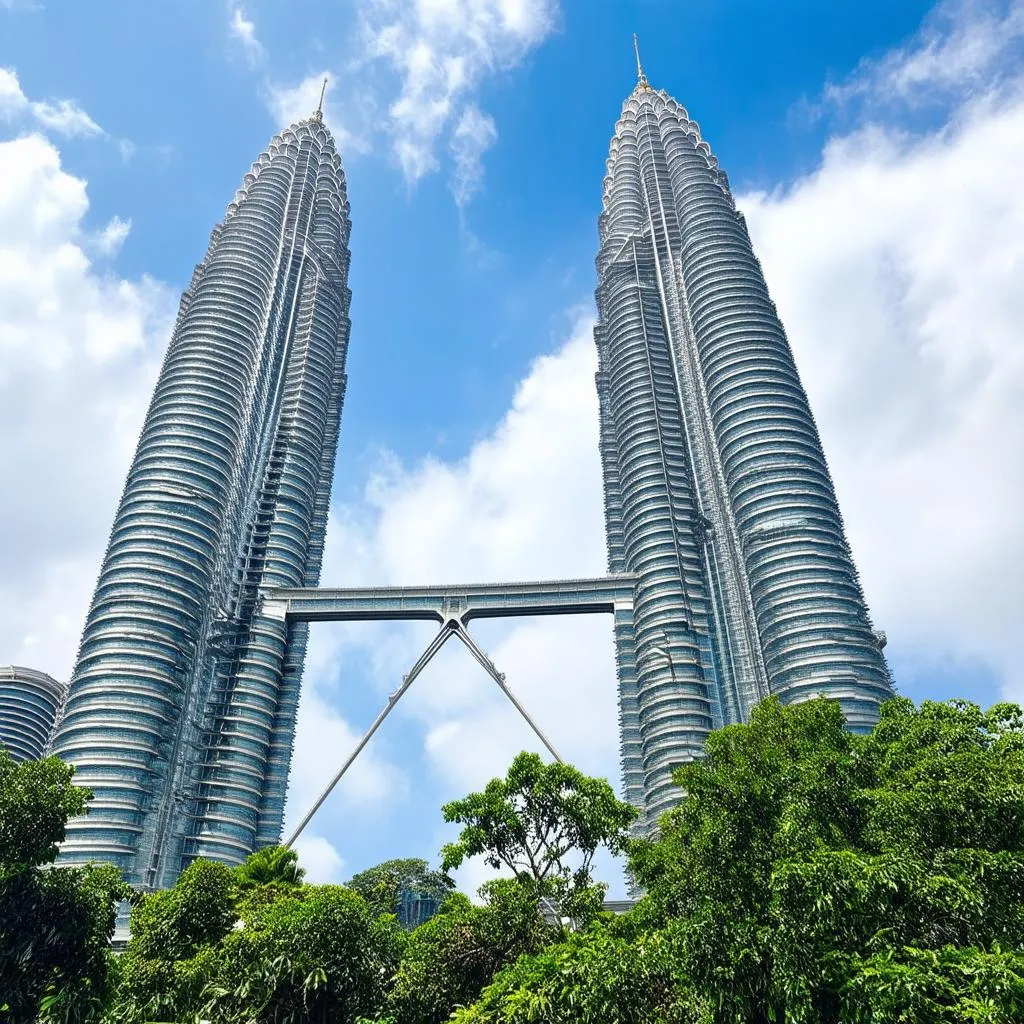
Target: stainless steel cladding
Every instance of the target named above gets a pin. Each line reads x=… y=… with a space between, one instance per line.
x=181 y=710
x=29 y=702
x=716 y=488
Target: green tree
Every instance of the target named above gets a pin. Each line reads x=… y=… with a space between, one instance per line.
x=599 y=976
x=381 y=885
x=175 y=944
x=544 y=822
x=271 y=865
x=815 y=876
x=254 y=944
x=450 y=958
x=55 y=923
x=315 y=954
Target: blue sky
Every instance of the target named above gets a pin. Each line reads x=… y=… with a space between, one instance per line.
x=874 y=147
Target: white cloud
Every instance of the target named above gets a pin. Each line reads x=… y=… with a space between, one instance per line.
x=321 y=860
x=65 y=118
x=441 y=50
x=61 y=116
x=109 y=241
x=243 y=31
x=962 y=48
x=896 y=266
x=472 y=137
x=525 y=503
x=436 y=54
x=78 y=353
x=12 y=100
x=897 y=270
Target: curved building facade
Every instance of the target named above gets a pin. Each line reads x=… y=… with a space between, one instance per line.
x=29 y=704
x=181 y=709
x=717 y=493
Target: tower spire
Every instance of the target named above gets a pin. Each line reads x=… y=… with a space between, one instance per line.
x=318 y=114
x=641 y=78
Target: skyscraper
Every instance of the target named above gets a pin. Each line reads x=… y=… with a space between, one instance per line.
x=181 y=710
x=28 y=706
x=716 y=488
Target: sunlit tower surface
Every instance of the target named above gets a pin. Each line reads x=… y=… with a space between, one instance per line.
x=181 y=711
x=717 y=494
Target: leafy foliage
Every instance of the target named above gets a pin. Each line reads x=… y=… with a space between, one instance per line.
x=174 y=948
x=592 y=977
x=271 y=865
x=535 y=821
x=36 y=800
x=317 y=954
x=55 y=924
x=808 y=870
x=253 y=944
x=809 y=877
x=381 y=885
x=450 y=958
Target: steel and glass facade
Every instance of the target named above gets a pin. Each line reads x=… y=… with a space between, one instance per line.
x=181 y=711
x=717 y=493
x=29 y=702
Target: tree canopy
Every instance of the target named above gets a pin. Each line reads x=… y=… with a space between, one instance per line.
x=382 y=885
x=55 y=923
x=451 y=957
x=809 y=876
x=815 y=876
x=544 y=823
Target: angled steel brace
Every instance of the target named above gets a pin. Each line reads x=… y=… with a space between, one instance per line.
x=443 y=634
x=463 y=634
x=453 y=627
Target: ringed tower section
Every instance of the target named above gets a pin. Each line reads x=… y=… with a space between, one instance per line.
x=181 y=710
x=717 y=492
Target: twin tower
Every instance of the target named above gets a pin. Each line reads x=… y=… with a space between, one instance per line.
x=181 y=710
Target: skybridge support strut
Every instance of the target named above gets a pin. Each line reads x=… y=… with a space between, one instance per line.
x=453 y=627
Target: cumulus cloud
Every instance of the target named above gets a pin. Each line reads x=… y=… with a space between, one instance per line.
x=243 y=32
x=63 y=117
x=435 y=54
x=441 y=50
x=897 y=267
x=897 y=270
x=80 y=348
x=109 y=241
x=321 y=860
x=78 y=353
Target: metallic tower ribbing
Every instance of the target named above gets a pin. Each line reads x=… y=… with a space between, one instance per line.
x=28 y=707
x=181 y=710
x=717 y=493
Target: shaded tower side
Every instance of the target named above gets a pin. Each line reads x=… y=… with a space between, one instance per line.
x=143 y=693
x=29 y=702
x=668 y=659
